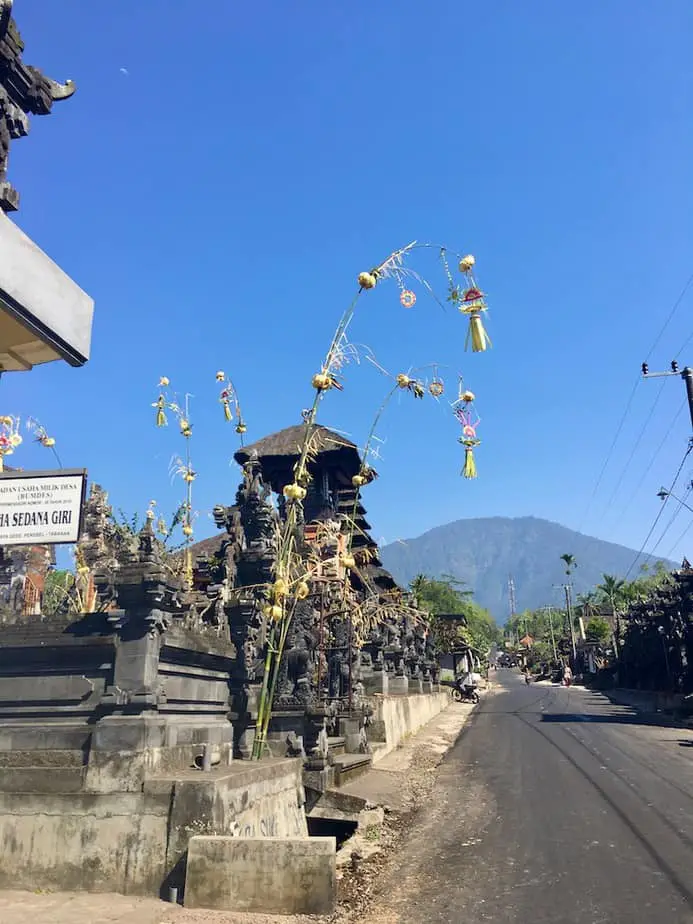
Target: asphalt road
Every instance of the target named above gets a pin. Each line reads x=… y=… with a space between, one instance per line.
x=553 y=806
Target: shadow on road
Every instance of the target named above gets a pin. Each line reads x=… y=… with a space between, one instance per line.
x=611 y=718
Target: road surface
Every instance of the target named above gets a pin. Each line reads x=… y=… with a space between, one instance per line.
x=554 y=806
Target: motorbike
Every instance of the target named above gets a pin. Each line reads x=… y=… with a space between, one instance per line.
x=465 y=693
x=528 y=679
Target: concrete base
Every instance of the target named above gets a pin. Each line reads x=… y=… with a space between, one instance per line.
x=377 y=682
x=398 y=686
x=396 y=717
x=135 y=842
x=267 y=876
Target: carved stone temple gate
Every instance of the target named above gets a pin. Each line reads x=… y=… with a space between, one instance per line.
x=353 y=636
x=119 y=727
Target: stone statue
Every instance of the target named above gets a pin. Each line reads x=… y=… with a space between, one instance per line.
x=24 y=91
x=294 y=683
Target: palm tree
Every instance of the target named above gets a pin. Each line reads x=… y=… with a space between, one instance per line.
x=418 y=586
x=570 y=566
x=613 y=589
x=587 y=602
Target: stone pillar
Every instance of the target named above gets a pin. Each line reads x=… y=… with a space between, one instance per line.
x=398 y=686
x=376 y=682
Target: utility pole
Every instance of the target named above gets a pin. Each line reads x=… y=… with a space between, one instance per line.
x=686 y=374
x=569 y=609
x=549 y=612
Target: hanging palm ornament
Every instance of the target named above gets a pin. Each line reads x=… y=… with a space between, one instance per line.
x=436 y=387
x=469 y=420
x=407 y=298
x=470 y=301
x=230 y=403
x=10 y=437
x=180 y=466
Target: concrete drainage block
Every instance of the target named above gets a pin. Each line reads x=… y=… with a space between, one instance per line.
x=278 y=875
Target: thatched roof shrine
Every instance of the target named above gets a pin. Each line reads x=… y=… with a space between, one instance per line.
x=279 y=452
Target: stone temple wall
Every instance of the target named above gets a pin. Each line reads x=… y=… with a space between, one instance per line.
x=135 y=842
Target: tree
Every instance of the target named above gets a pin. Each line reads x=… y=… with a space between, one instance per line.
x=612 y=588
x=445 y=595
x=570 y=563
x=58 y=594
x=598 y=630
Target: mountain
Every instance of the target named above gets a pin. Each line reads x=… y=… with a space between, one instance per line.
x=485 y=552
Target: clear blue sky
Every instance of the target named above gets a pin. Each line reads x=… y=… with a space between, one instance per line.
x=219 y=197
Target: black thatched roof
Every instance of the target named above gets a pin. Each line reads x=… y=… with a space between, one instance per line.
x=287 y=443
x=380 y=576
x=207 y=547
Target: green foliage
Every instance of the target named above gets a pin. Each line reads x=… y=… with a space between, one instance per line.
x=549 y=630
x=598 y=630
x=58 y=594
x=447 y=595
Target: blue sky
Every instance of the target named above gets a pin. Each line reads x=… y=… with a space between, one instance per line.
x=225 y=171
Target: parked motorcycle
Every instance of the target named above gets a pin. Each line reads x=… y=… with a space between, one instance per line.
x=465 y=693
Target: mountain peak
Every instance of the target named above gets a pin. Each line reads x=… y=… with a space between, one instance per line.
x=485 y=551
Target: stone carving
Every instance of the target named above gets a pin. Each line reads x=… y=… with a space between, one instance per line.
x=294 y=683
x=145 y=593
x=259 y=521
x=338 y=660
x=294 y=745
x=24 y=91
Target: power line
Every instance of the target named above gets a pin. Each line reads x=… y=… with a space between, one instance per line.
x=661 y=509
x=679 y=540
x=676 y=304
x=681 y=506
x=667 y=433
x=638 y=441
x=685 y=289
x=609 y=453
x=629 y=403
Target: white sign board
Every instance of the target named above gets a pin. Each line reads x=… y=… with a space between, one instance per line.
x=41 y=508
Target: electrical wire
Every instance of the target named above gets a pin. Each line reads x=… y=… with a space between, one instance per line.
x=681 y=506
x=661 y=509
x=690 y=336
x=629 y=402
x=682 y=294
x=609 y=453
x=638 y=441
x=679 y=540
x=634 y=493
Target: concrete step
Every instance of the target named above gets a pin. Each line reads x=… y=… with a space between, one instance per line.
x=348 y=766
x=336 y=745
x=42 y=779
x=40 y=758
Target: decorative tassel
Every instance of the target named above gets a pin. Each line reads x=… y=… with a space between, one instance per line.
x=227 y=410
x=477 y=333
x=160 y=414
x=469 y=470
